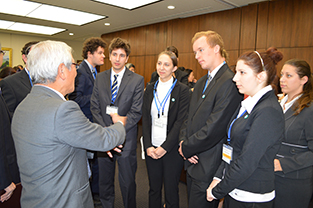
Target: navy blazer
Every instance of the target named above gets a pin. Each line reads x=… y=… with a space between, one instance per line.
x=255 y=139
x=204 y=130
x=15 y=88
x=177 y=113
x=84 y=83
x=296 y=152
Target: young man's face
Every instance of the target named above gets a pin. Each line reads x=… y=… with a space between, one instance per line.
x=118 y=59
x=97 y=58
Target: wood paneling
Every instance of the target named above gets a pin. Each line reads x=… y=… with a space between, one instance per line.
x=183 y=31
x=226 y=23
x=284 y=24
x=248 y=26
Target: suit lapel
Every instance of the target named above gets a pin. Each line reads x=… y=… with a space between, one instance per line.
x=107 y=85
x=126 y=78
x=24 y=79
x=88 y=71
x=173 y=98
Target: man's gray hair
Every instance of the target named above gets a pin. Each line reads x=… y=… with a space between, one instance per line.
x=44 y=59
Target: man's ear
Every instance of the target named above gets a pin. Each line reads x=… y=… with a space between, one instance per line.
x=217 y=49
x=24 y=57
x=262 y=76
x=61 y=71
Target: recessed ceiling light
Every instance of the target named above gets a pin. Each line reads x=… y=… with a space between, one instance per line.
x=23 y=27
x=128 y=4
x=171 y=7
x=71 y=33
x=47 y=12
x=107 y=24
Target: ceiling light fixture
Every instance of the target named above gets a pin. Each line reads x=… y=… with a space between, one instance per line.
x=126 y=4
x=71 y=33
x=47 y=12
x=171 y=7
x=23 y=27
x=107 y=24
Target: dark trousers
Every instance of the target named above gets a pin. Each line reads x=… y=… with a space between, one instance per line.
x=166 y=169
x=94 y=184
x=229 y=202
x=127 y=166
x=291 y=193
x=197 y=194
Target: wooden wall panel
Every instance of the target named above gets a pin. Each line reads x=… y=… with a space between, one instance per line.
x=137 y=41
x=262 y=25
x=279 y=24
x=226 y=23
x=302 y=23
x=248 y=26
x=156 y=38
x=183 y=31
x=150 y=66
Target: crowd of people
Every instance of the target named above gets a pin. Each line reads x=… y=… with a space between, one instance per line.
x=65 y=128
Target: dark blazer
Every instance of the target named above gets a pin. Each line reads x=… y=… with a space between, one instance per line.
x=205 y=129
x=179 y=74
x=8 y=165
x=255 y=139
x=179 y=103
x=15 y=88
x=296 y=152
x=84 y=83
x=129 y=102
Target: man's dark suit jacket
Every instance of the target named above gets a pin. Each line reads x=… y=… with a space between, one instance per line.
x=84 y=83
x=15 y=88
x=255 y=139
x=179 y=74
x=204 y=131
x=128 y=100
x=8 y=165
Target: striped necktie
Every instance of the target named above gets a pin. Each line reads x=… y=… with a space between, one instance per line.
x=114 y=88
x=94 y=72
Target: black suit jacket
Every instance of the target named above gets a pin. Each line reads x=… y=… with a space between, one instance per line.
x=179 y=103
x=8 y=165
x=205 y=129
x=15 y=88
x=84 y=83
x=255 y=139
x=128 y=100
x=296 y=152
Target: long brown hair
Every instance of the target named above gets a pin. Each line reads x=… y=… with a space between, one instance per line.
x=302 y=69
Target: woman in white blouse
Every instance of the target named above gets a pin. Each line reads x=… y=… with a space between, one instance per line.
x=293 y=164
x=165 y=105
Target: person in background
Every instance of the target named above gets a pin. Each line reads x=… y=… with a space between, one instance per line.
x=9 y=173
x=16 y=87
x=6 y=71
x=191 y=78
x=51 y=135
x=93 y=54
x=164 y=109
x=118 y=90
x=293 y=164
x=246 y=176
x=131 y=67
x=213 y=101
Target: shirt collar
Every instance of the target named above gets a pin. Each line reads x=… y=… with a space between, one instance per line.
x=120 y=74
x=89 y=65
x=249 y=103
x=285 y=106
x=213 y=73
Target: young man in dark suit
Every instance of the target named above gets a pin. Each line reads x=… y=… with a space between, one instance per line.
x=15 y=88
x=213 y=102
x=118 y=90
x=93 y=54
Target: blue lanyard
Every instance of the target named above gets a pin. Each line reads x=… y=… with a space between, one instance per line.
x=231 y=125
x=205 y=86
x=30 y=79
x=162 y=104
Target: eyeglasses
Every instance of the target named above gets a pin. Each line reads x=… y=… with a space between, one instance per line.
x=1 y=51
x=75 y=64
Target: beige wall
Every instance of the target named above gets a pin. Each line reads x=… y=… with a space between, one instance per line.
x=16 y=42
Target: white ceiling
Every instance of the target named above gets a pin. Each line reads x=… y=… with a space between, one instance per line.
x=121 y=19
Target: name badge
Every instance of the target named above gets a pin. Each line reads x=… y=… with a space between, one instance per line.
x=160 y=122
x=227 y=153
x=111 y=109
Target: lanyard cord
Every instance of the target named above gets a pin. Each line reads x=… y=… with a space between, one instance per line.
x=231 y=125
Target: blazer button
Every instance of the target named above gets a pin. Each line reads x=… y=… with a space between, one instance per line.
x=293 y=151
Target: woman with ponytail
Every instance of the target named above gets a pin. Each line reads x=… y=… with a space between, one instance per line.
x=293 y=165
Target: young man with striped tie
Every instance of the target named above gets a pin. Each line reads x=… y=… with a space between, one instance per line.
x=118 y=90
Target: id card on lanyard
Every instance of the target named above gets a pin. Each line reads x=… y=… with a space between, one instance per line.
x=227 y=154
